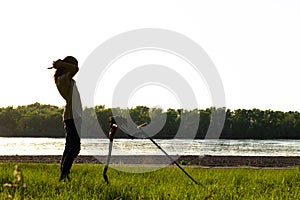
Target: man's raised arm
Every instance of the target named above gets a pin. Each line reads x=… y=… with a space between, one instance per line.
x=73 y=69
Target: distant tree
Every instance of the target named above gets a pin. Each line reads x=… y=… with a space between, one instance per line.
x=240 y=123
x=39 y=120
x=9 y=121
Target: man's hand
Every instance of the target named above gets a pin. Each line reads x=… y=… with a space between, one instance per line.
x=57 y=64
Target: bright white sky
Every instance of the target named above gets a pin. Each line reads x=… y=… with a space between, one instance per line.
x=254 y=44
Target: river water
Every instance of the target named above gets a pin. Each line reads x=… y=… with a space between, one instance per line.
x=55 y=146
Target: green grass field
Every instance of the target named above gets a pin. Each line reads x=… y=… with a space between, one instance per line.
x=40 y=181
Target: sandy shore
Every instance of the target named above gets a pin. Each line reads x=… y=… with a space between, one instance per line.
x=206 y=161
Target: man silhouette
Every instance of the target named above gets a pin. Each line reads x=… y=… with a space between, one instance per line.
x=63 y=77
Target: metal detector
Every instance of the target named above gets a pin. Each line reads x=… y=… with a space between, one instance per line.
x=112 y=131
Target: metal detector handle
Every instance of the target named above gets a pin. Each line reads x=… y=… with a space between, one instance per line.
x=142 y=131
x=112 y=132
x=142 y=125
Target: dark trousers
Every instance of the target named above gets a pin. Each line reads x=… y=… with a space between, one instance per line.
x=72 y=145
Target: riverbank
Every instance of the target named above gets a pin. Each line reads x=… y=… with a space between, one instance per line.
x=205 y=161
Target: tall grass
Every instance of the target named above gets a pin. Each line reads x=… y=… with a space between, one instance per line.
x=40 y=181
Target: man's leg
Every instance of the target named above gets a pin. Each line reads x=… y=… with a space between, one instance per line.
x=66 y=150
x=72 y=148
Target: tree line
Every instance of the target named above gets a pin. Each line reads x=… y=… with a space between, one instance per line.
x=39 y=120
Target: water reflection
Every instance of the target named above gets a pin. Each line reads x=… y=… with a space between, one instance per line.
x=55 y=146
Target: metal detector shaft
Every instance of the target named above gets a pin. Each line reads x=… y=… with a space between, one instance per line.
x=140 y=128
x=173 y=161
x=107 y=162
